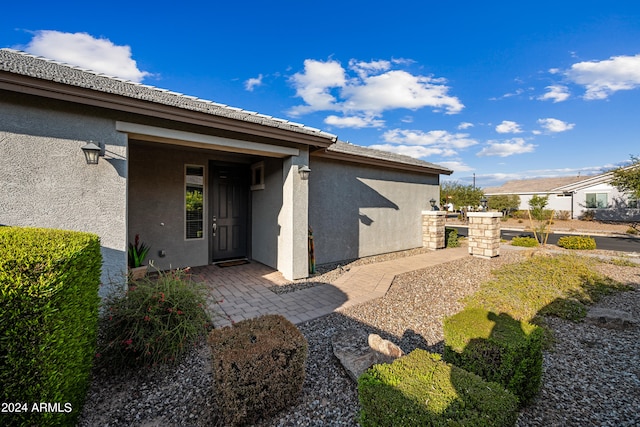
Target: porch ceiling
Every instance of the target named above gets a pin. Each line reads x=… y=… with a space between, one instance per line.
x=197 y=140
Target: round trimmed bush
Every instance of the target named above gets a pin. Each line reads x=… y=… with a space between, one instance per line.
x=528 y=242
x=577 y=242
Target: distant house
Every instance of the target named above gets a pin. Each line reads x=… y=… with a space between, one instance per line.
x=575 y=195
x=199 y=181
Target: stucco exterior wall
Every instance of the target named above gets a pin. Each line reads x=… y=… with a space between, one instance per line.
x=266 y=205
x=357 y=210
x=293 y=219
x=46 y=181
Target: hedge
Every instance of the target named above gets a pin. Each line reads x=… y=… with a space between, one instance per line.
x=496 y=347
x=49 y=281
x=419 y=389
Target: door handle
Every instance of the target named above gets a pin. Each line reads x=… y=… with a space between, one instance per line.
x=215 y=226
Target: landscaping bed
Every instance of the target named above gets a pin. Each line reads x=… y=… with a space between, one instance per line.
x=589 y=377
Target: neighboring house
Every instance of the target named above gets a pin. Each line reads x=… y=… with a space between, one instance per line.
x=198 y=181
x=575 y=195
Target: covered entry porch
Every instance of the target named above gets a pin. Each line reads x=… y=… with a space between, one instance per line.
x=196 y=199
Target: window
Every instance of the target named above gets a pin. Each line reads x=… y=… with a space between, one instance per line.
x=632 y=202
x=194 y=202
x=597 y=200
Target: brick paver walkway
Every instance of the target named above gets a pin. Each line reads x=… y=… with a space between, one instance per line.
x=242 y=292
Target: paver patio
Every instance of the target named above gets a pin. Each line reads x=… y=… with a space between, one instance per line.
x=242 y=292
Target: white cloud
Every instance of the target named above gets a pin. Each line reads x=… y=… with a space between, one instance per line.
x=367 y=68
x=419 y=144
x=507 y=148
x=415 y=151
x=555 y=125
x=368 y=89
x=251 y=83
x=354 y=122
x=439 y=138
x=465 y=125
x=86 y=51
x=508 y=126
x=314 y=85
x=456 y=166
x=556 y=93
x=603 y=78
x=398 y=89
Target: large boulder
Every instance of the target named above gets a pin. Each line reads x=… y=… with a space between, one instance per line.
x=610 y=318
x=357 y=351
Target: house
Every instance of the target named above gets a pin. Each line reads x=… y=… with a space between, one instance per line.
x=198 y=181
x=575 y=195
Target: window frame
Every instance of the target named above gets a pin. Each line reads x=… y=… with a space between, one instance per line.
x=596 y=200
x=195 y=185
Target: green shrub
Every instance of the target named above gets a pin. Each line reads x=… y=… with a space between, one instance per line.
x=451 y=238
x=258 y=367
x=588 y=215
x=155 y=321
x=563 y=215
x=520 y=214
x=527 y=242
x=49 y=281
x=496 y=347
x=577 y=242
x=421 y=390
x=632 y=230
x=541 y=285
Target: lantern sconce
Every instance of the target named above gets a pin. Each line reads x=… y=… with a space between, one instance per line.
x=93 y=152
x=483 y=203
x=432 y=202
x=304 y=172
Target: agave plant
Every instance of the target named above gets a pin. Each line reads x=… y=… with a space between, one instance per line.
x=137 y=252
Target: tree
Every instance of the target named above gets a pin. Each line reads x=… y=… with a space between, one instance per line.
x=504 y=202
x=537 y=205
x=459 y=194
x=627 y=179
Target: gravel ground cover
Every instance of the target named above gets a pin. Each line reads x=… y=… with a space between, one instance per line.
x=591 y=377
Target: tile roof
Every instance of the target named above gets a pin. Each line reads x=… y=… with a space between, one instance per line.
x=537 y=185
x=371 y=153
x=25 y=64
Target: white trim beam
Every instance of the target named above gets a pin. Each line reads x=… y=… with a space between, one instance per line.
x=197 y=140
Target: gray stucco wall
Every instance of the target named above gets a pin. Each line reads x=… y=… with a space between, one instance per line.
x=157 y=202
x=357 y=210
x=47 y=183
x=293 y=259
x=266 y=206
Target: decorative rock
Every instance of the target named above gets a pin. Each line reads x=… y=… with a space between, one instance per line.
x=610 y=318
x=357 y=352
x=384 y=347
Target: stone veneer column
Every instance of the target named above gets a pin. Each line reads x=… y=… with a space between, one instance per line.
x=484 y=234
x=433 y=229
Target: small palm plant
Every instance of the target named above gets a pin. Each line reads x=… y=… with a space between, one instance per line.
x=137 y=252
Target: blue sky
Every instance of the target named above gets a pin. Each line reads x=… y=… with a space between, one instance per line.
x=500 y=90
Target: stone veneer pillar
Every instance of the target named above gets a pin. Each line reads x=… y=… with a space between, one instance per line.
x=433 y=223
x=484 y=234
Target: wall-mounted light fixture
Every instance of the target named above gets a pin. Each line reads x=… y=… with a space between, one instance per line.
x=92 y=152
x=483 y=203
x=304 y=172
x=432 y=202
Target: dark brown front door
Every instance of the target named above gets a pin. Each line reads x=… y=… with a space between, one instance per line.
x=229 y=202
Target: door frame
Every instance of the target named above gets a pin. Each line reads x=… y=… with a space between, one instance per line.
x=214 y=166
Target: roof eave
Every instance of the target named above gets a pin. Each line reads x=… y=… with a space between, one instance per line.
x=44 y=88
x=333 y=155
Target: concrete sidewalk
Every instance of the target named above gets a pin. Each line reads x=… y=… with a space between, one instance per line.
x=242 y=292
